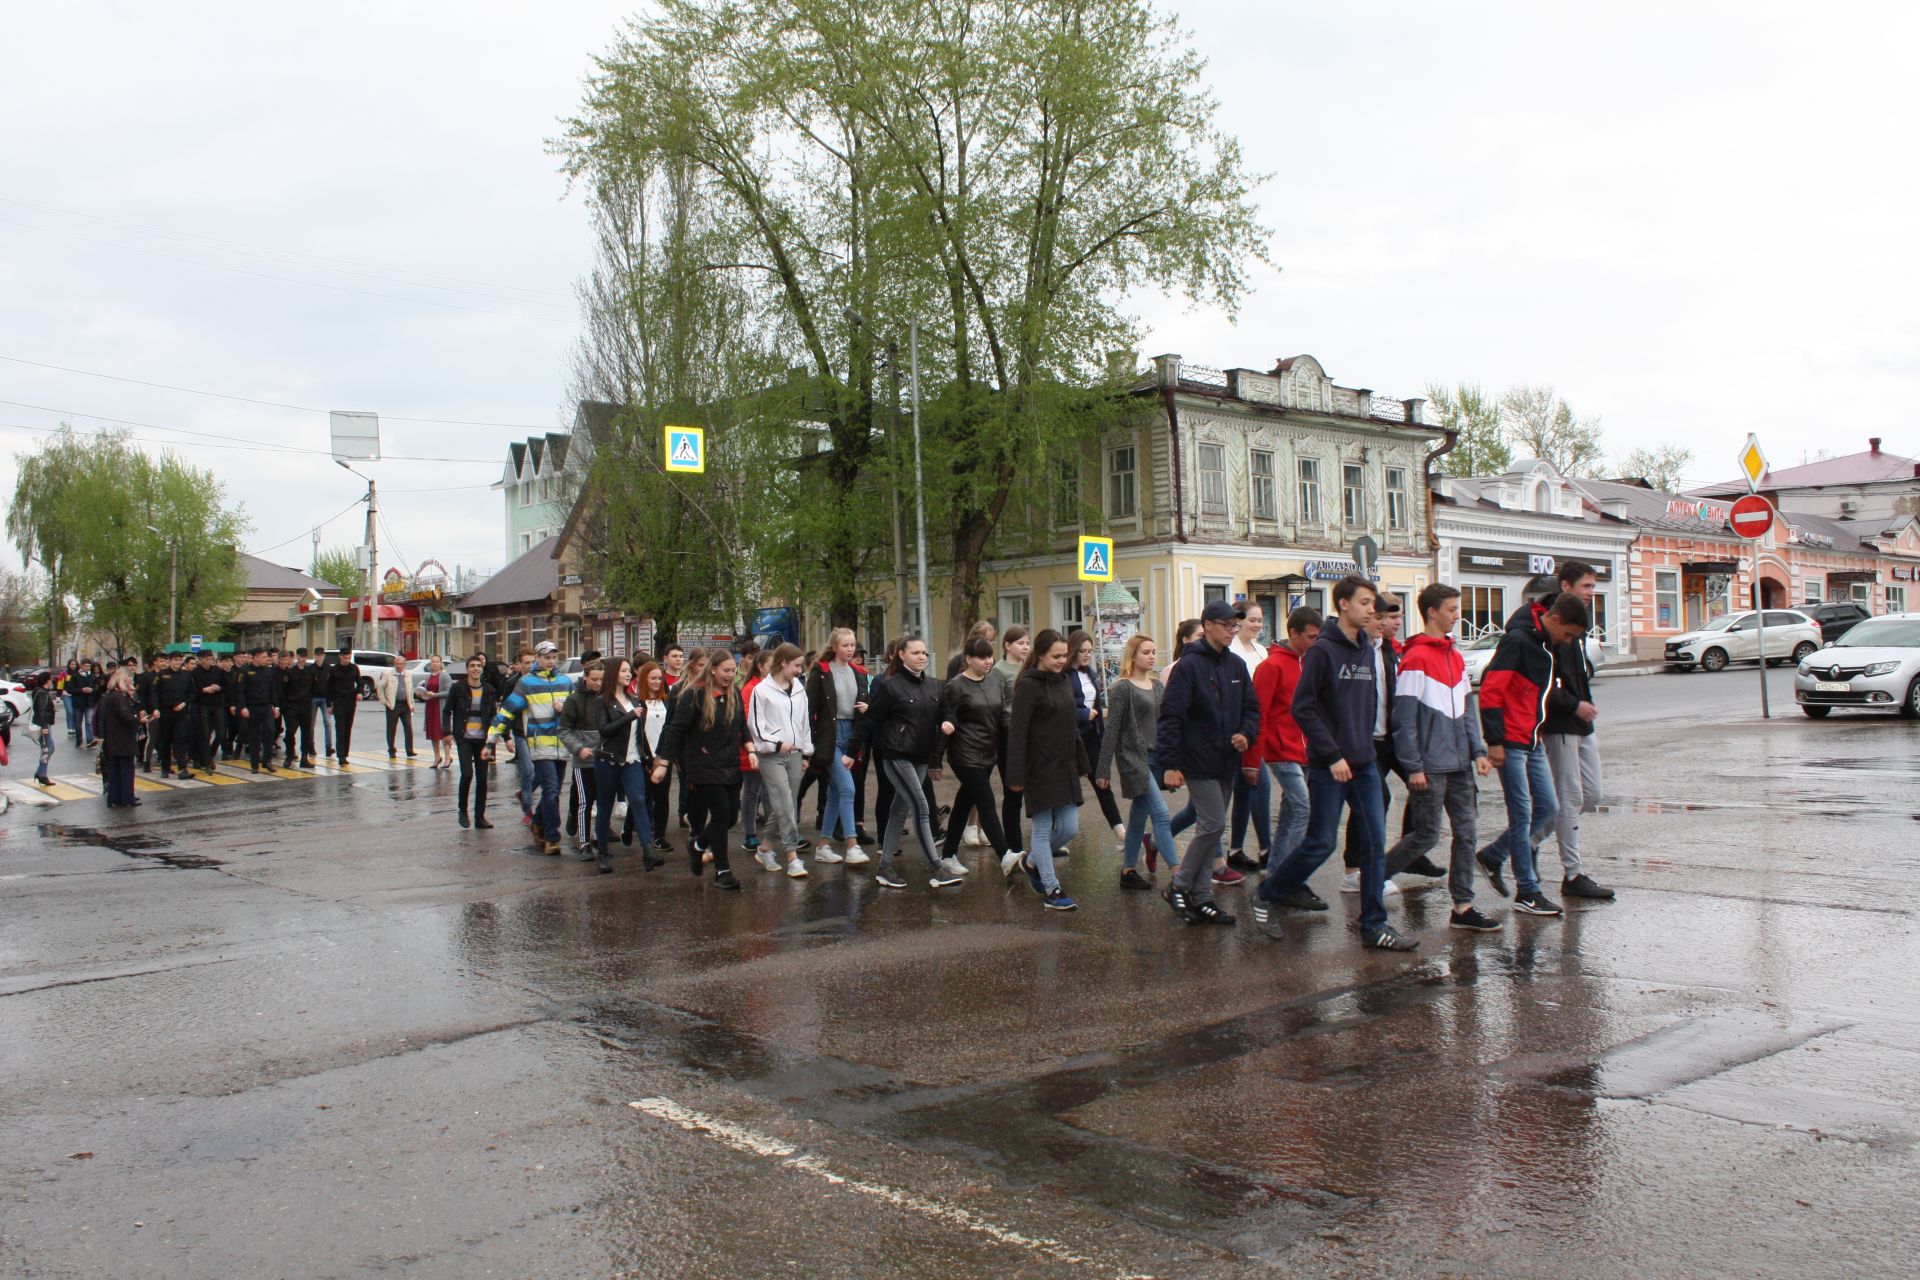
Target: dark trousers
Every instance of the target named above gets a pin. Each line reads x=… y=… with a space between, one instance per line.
x=1457 y=796
x=473 y=773
x=208 y=724
x=343 y=709
x=234 y=731
x=400 y=716
x=976 y=794
x=119 y=777
x=262 y=732
x=1109 y=805
x=585 y=790
x=1010 y=802
x=712 y=808
x=175 y=739
x=298 y=723
x=1383 y=757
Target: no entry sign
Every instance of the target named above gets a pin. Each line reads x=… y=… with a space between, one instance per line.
x=1751 y=517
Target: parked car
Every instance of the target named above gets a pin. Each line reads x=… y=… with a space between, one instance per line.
x=367 y=660
x=15 y=700
x=1875 y=665
x=1479 y=655
x=1836 y=617
x=1735 y=637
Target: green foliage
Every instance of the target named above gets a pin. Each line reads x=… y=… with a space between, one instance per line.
x=23 y=618
x=1482 y=449
x=86 y=507
x=338 y=568
x=1664 y=467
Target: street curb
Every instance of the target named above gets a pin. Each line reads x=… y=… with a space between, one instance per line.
x=1634 y=670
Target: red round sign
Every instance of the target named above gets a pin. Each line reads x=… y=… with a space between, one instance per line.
x=1751 y=517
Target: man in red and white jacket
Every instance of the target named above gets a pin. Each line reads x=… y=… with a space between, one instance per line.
x=1282 y=747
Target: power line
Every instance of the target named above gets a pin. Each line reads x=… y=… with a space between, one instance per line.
x=269 y=250
x=268 y=275
x=308 y=532
x=271 y=404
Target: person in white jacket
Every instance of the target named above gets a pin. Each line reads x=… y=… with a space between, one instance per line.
x=782 y=739
x=395 y=688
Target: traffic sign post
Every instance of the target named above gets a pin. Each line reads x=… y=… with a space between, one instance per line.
x=1752 y=518
x=686 y=450
x=1366 y=554
x=1096 y=565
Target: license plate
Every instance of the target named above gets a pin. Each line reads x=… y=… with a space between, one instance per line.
x=1829 y=686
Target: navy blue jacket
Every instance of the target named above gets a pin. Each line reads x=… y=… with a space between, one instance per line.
x=1336 y=702
x=1209 y=698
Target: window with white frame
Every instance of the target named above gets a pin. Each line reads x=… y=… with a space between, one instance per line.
x=1122 y=483
x=1139 y=590
x=1813 y=591
x=1599 y=618
x=1066 y=491
x=1666 y=599
x=1213 y=479
x=1483 y=609
x=1862 y=593
x=1212 y=591
x=525 y=489
x=526 y=542
x=1353 y=495
x=1896 y=599
x=911 y=627
x=1069 y=608
x=1309 y=472
x=1265 y=501
x=1016 y=609
x=1397 y=498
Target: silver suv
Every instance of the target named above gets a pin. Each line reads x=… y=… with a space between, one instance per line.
x=1875 y=665
x=1735 y=637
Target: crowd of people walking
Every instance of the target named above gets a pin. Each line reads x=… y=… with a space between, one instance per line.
x=1322 y=719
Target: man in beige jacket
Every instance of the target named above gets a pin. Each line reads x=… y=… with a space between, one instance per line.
x=395 y=688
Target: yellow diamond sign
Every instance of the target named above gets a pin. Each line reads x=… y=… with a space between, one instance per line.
x=1753 y=464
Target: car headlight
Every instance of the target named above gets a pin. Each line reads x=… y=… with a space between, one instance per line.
x=1805 y=670
x=1881 y=669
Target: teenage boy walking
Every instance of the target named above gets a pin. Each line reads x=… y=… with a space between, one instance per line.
x=1436 y=735
x=1518 y=693
x=1337 y=707
x=1283 y=750
x=1573 y=750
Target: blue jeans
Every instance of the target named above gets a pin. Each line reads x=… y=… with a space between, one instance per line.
x=839 y=785
x=1291 y=828
x=1150 y=807
x=524 y=764
x=1053 y=830
x=1325 y=800
x=548 y=775
x=46 y=751
x=630 y=781
x=323 y=712
x=66 y=699
x=1252 y=800
x=1528 y=784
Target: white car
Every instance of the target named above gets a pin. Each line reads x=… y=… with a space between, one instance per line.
x=1875 y=665
x=14 y=696
x=1479 y=655
x=1735 y=637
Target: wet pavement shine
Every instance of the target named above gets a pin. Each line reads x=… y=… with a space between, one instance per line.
x=317 y=1030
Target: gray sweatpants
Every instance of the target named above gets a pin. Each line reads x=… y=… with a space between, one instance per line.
x=1575 y=761
x=1457 y=796
x=1209 y=798
x=780 y=784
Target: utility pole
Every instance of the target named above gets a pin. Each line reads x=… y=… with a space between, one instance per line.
x=919 y=486
x=899 y=525
x=373 y=570
x=173 y=592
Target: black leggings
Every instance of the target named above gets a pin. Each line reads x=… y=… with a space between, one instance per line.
x=1109 y=807
x=473 y=772
x=712 y=808
x=1010 y=801
x=656 y=806
x=976 y=792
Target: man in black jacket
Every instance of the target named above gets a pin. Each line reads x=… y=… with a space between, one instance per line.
x=261 y=693
x=209 y=707
x=173 y=699
x=1573 y=752
x=144 y=676
x=343 y=693
x=296 y=706
x=235 y=736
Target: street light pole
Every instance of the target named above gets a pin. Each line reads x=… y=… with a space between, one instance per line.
x=919 y=486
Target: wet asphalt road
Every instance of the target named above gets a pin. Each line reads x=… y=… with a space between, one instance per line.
x=313 y=1029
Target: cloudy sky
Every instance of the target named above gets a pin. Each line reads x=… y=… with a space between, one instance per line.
x=1694 y=220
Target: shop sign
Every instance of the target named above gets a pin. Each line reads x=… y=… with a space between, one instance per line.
x=1807 y=537
x=1704 y=512
x=430 y=574
x=1333 y=570
x=569 y=579
x=1901 y=574
x=393 y=583
x=1524 y=563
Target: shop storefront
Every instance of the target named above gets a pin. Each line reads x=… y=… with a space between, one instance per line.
x=1493 y=582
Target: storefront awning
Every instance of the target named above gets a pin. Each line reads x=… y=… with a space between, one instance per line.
x=1710 y=566
x=1853 y=575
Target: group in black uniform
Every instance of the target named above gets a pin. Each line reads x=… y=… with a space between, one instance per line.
x=256 y=704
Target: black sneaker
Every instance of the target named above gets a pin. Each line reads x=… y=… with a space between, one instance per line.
x=1583 y=886
x=1536 y=904
x=725 y=880
x=1132 y=879
x=1385 y=939
x=1425 y=866
x=1262 y=911
x=1179 y=899
x=1207 y=913
x=1305 y=899
x=1472 y=918
x=1495 y=875
x=889 y=879
x=1239 y=861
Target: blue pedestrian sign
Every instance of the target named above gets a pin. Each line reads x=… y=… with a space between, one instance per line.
x=196 y=642
x=1096 y=559
x=686 y=449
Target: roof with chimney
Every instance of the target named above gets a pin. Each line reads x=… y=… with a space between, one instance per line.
x=1873 y=466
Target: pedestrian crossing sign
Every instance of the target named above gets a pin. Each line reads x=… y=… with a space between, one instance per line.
x=1096 y=559
x=686 y=449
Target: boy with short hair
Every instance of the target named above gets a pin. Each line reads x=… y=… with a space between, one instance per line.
x=1436 y=738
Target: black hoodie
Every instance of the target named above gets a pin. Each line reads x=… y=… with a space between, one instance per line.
x=1336 y=702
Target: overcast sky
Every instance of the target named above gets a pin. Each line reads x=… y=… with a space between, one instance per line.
x=1694 y=220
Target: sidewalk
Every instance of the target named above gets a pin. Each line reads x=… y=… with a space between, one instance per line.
x=1630 y=669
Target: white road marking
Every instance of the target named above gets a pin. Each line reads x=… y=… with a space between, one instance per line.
x=21 y=793
x=758 y=1144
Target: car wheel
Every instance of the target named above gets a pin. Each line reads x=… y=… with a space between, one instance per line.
x=1801 y=652
x=1817 y=713
x=1910 y=706
x=366 y=690
x=1714 y=660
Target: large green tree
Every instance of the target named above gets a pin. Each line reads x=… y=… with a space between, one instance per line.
x=1481 y=447
x=1000 y=170
x=339 y=567
x=103 y=519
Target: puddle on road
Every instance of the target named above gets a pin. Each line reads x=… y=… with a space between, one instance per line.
x=131 y=844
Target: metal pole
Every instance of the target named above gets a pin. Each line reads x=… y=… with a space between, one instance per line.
x=919 y=487
x=899 y=517
x=373 y=570
x=173 y=595
x=1760 y=625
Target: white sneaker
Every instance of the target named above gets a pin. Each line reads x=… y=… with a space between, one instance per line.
x=796 y=869
x=1120 y=830
x=826 y=853
x=973 y=835
x=856 y=856
x=768 y=859
x=1010 y=862
x=1350 y=883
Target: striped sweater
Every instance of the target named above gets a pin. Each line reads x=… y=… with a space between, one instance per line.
x=1435 y=725
x=540 y=694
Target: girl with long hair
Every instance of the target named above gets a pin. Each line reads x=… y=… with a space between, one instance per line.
x=1132 y=719
x=704 y=735
x=1045 y=762
x=1015 y=645
x=902 y=722
x=972 y=739
x=651 y=692
x=621 y=761
x=1090 y=712
x=470 y=706
x=837 y=693
x=783 y=740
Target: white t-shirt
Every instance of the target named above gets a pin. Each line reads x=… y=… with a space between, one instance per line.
x=1251 y=654
x=1381 y=692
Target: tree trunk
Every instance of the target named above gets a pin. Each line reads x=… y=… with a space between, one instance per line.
x=970 y=534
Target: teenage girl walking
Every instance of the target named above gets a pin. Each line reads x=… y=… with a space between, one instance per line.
x=1045 y=762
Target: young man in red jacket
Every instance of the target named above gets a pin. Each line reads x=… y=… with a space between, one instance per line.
x=1283 y=750
x=1517 y=695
